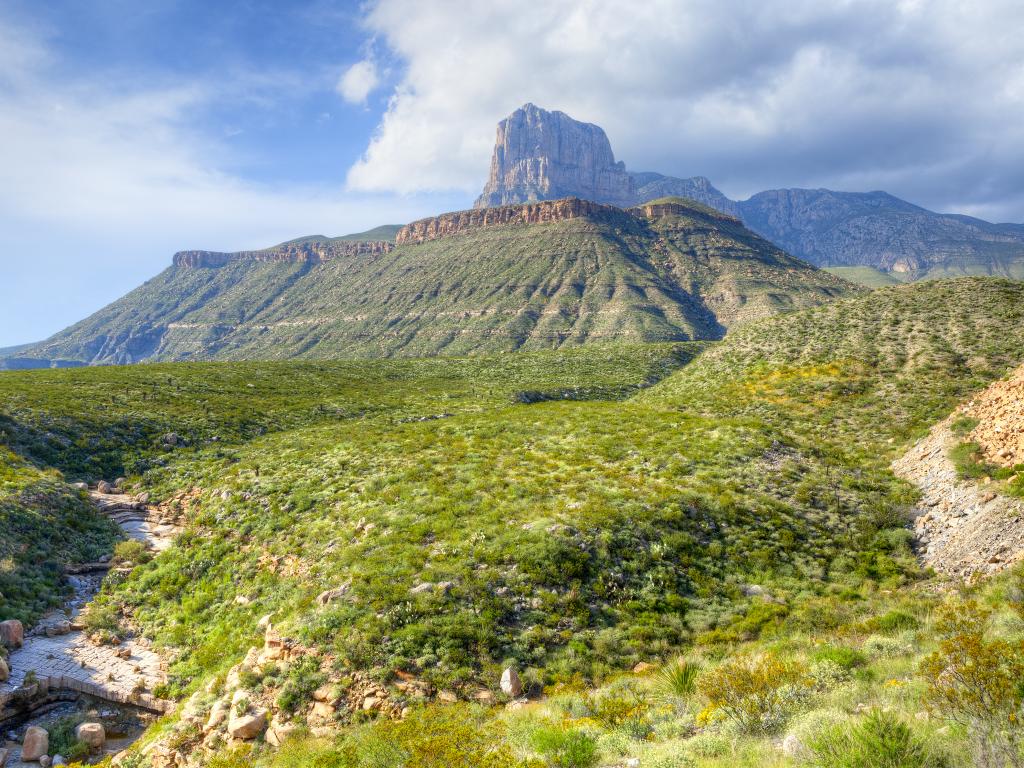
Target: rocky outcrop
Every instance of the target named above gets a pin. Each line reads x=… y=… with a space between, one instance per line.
x=962 y=529
x=999 y=411
x=541 y=155
x=308 y=252
x=531 y=213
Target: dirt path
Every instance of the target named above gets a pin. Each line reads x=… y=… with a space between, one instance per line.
x=62 y=659
x=962 y=528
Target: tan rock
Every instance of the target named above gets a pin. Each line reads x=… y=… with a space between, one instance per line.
x=35 y=744
x=4 y=754
x=370 y=702
x=327 y=692
x=323 y=710
x=12 y=633
x=278 y=733
x=511 y=685
x=247 y=727
x=5 y=671
x=447 y=697
x=643 y=668
x=217 y=716
x=92 y=734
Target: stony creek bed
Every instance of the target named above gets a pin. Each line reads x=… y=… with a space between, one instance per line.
x=60 y=678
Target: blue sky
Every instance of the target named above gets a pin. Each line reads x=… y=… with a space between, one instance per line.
x=131 y=130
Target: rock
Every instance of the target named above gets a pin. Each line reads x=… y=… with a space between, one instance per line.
x=419 y=589
x=485 y=697
x=218 y=714
x=325 y=711
x=511 y=685
x=642 y=668
x=12 y=633
x=143 y=498
x=4 y=754
x=35 y=744
x=278 y=732
x=792 y=746
x=104 y=487
x=5 y=672
x=541 y=155
x=327 y=692
x=119 y=482
x=45 y=761
x=447 y=697
x=58 y=628
x=247 y=727
x=80 y=486
x=264 y=623
x=59 y=760
x=331 y=595
x=633 y=762
x=370 y=702
x=92 y=733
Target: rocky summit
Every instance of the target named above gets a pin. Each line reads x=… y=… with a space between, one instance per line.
x=541 y=155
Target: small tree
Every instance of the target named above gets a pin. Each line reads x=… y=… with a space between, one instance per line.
x=978 y=683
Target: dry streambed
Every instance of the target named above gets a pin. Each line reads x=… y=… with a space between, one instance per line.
x=57 y=661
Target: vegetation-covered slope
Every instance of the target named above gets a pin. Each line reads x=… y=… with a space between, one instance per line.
x=473 y=520
x=679 y=274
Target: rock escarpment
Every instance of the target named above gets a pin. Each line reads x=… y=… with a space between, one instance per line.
x=541 y=155
x=308 y=252
x=532 y=213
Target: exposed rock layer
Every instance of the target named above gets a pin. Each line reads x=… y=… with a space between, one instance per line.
x=309 y=252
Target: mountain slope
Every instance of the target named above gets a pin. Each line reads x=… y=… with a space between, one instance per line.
x=542 y=155
x=533 y=276
x=879 y=230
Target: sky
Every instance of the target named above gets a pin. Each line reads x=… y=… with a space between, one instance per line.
x=130 y=130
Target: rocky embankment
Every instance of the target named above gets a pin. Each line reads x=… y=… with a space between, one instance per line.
x=244 y=707
x=58 y=658
x=963 y=529
x=309 y=252
x=999 y=411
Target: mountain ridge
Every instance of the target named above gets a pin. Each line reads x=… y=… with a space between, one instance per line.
x=533 y=276
x=540 y=154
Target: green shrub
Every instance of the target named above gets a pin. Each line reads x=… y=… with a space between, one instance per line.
x=131 y=551
x=63 y=740
x=882 y=740
x=892 y=622
x=564 y=747
x=304 y=677
x=840 y=655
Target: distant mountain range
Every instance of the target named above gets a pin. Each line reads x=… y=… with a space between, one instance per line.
x=565 y=246
x=527 y=276
x=541 y=155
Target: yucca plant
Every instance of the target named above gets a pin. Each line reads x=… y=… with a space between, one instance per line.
x=678 y=679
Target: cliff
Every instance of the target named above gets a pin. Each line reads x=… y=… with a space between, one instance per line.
x=541 y=155
x=531 y=213
x=312 y=252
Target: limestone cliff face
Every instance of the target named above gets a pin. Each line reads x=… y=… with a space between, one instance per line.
x=310 y=252
x=541 y=155
x=530 y=213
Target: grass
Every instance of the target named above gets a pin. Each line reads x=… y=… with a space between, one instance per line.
x=739 y=506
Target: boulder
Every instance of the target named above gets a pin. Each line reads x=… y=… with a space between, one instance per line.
x=35 y=744
x=264 y=623
x=331 y=595
x=104 y=487
x=59 y=760
x=247 y=727
x=4 y=754
x=45 y=761
x=218 y=714
x=5 y=674
x=92 y=733
x=57 y=628
x=12 y=633
x=511 y=685
x=642 y=668
x=323 y=710
x=278 y=732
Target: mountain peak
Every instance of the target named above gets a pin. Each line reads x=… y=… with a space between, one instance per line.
x=542 y=155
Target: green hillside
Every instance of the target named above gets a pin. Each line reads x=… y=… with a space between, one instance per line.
x=869 y=277
x=570 y=513
x=615 y=277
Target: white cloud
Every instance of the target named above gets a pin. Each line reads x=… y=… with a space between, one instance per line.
x=921 y=97
x=359 y=81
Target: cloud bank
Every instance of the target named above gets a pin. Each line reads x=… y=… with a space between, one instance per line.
x=923 y=98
